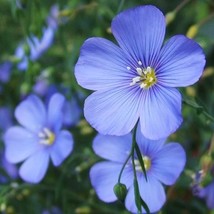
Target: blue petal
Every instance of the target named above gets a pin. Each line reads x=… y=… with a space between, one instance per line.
x=161 y=112
x=71 y=112
x=169 y=163
x=113 y=148
x=113 y=112
x=104 y=176
x=38 y=47
x=34 y=168
x=55 y=113
x=181 y=62
x=61 y=148
x=140 y=31
x=102 y=65
x=151 y=191
x=148 y=147
x=20 y=144
x=31 y=113
x=210 y=195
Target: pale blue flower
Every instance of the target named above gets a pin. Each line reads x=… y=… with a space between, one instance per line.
x=163 y=162
x=137 y=80
x=39 y=137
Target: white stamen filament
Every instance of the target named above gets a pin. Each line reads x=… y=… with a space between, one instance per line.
x=146 y=77
x=46 y=136
x=139 y=71
x=139 y=63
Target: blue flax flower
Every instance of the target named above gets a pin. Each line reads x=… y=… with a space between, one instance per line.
x=38 y=46
x=39 y=138
x=163 y=164
x=137 y=79
x=208 y=193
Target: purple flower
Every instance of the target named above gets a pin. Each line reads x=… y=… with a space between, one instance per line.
x=72 y=112
x=5 y=71
x=208 y=193
x=9 y=168
x=39 y=46
x=6 y=116
x=138 y=78
x=163 y=163
x=71 y=109
x=52 y=19
x=39 y=138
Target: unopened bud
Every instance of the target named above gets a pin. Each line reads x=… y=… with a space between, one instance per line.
x=120 y=191
x=192 y=31
x=206 y=163
x=170 y=17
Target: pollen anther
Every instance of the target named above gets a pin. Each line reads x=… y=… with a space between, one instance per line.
x=47 y=137
x=146 y=77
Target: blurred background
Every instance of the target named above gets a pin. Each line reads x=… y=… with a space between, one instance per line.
x=39 y=46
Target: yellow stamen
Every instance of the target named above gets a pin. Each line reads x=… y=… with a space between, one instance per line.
x=145 y=77
x=146 y=161
x=47 y=137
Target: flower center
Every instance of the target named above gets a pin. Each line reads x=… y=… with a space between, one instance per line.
x=146 y=161
x=47 y=137
x=146 y=77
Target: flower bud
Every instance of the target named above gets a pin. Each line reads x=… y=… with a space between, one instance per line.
x=120 y=191
x=192 y=31
x=170 y=17
x=206 y=163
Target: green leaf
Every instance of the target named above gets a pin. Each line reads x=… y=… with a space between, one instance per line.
x=137 y=196
x=146 y=208
x=138 y=200
x=139 y=155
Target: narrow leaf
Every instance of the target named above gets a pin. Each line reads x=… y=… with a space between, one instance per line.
x=139 y=155
x=137 y=196
x=146 y=208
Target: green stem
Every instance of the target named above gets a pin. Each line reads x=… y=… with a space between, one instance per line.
x=120 y=6
x=121 y=171
x=136 y=186
x=198 y=107
x=181 y=5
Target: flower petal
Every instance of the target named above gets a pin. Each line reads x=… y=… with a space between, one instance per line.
x=104 y=176
x=113 y=112
x=113 y=148
x=169 y=163
x=140 y=32
x=35 y=167
x=31 y=113
x=61 y=148
x=161 y=113
x=101 y=65
x=20 y=144
x=210 y=195
x=55 y=113
x=151 y=191
x=148 y=147
x=181 y=63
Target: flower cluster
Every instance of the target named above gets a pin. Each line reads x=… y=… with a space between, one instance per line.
x=136 y=81
x=135 y=106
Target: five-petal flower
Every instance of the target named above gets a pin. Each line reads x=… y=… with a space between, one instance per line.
x=163 y=162
x=138 y=78
x=39 y=138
